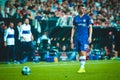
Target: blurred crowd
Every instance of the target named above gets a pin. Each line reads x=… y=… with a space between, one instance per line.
x=104 y=12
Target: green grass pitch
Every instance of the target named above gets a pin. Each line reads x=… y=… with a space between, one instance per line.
x=95 y=70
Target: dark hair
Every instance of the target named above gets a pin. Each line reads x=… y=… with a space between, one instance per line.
x=25 y=19
x=11 y=22
x=81 y=5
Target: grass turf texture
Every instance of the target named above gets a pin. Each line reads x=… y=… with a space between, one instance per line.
x=95 y=70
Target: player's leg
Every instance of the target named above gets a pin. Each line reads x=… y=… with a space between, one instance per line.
x=82 y=55
x=24 y=48
x=82 y=59
x=31 y=48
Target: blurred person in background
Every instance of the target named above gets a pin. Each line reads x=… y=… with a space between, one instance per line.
x=17 y=39
x=26 y=39
x=43 y=44
x=9 y=43
x=111 y=52
x=44 y=41
x=17 y=14
x=2 y=47
x=63 y=54
x=62 y=21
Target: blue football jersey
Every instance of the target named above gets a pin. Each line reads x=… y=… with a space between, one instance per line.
x=82 y=25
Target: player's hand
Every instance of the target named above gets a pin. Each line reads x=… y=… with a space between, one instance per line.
x=89 y=39
x=32 y=37
x=24 y=38
x=71 y=45
x=5 y=44
x=71 y=41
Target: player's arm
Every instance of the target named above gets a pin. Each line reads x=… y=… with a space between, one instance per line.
x=21 y=33
x=90 y=33
x=72 y=34
x=5 y=37
x=32 y=37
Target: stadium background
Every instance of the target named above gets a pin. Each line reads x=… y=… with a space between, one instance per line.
x=102 y=27
x=95 y=69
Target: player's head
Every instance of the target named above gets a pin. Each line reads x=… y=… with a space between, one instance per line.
x=81 y=9
x=19 y=23
x=26 y=21
x=11 y=24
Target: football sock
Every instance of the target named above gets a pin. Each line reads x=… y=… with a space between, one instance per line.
x=82 y=61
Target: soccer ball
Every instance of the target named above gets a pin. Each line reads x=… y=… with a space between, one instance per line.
x=26 y=70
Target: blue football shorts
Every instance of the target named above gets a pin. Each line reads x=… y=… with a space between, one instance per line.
x=81 y=45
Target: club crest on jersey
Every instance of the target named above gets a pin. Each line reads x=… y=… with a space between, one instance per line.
x=84 y=20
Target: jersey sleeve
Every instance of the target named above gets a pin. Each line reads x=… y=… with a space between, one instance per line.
x=21 y=30
x=90 y=20
x=5 y=35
